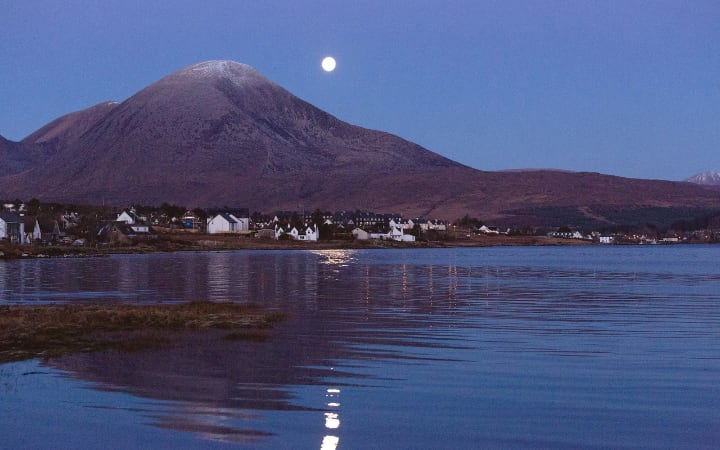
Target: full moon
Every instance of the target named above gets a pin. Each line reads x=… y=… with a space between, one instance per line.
x=328 y=64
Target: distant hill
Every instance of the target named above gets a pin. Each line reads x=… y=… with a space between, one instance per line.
x=219 y=133
x=705 y=179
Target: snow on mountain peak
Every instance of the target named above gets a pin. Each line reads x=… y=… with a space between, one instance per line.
x=706 y=178
x=237 y=72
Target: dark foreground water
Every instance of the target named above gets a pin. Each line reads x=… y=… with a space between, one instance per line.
x=599 y=347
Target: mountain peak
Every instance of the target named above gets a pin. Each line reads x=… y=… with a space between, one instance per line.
x=221 y=69
x=709 y=178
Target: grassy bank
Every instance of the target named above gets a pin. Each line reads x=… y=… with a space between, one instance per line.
x=52 y=330
x=173 y=242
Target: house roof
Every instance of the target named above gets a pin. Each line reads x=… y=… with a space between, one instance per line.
x=240 y=213
x=128 y=230
x=10 y=217
x=227 y=216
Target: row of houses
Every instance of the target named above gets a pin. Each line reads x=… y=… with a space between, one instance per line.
x=618 y=238
x=228 y=221
x=131 y=225
x=361 y=225
x=394 y=233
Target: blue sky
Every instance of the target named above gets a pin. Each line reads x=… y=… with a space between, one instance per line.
x=625 y=87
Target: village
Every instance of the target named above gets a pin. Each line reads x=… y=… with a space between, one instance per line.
x=33 y=223
x=21 y=226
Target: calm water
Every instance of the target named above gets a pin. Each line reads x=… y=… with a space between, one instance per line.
x=600 y=347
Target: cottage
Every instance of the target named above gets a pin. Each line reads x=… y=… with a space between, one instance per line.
x=121 y=232
x=131 y=216
x=12 y=227
x=308 y=234
x=404 y=224
x=394 y=233
x=360 y=234
x=432 y=225
x=397 y=233
x=566 y=233
x=227 y=222
x=484 y=229
x=288 y=231
x=126 y=217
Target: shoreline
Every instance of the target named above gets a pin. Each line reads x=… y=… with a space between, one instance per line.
x=176 y=242
x=168 y=243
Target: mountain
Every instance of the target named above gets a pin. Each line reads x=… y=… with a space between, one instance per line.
x=705 y=179
x=219 y=133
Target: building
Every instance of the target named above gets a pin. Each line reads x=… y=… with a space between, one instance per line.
x=12 y=227
x=227 y=222
x=121 y=232
x=308 y=233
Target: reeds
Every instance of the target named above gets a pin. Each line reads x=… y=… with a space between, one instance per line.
x=53 y=330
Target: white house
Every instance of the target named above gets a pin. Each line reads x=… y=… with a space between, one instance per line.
x=395 y=233
x=566 y=234
x=437 y=225
x=226 y=222
x=12 y=227
x=488 y=230
x=308 y=234
x=360 y=234
x=292 y=232
x=606 y=239
x=404 y=224
x=126 y=217
x=131 y=217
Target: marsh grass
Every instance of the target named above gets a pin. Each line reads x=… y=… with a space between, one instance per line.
x=53 y=330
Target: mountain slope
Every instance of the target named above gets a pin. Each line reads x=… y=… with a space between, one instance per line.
x=219 y=133
x=17 y=157
x=210 y=133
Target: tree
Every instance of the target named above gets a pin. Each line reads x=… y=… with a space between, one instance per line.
x=33 y=206
x=256 y=217
x=317 y=217
x=327 y=232
x=469 y=222
x=172 y=210
x=200 y=213
x=87 y=227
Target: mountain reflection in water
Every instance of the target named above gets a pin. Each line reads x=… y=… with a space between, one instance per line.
x=561 y=348
x=332 y=303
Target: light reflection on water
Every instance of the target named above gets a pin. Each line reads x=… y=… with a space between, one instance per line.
x=518 y=347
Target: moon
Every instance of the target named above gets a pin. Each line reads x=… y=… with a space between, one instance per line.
x=328 y=64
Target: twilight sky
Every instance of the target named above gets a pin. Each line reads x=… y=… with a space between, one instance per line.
x=622 y=87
